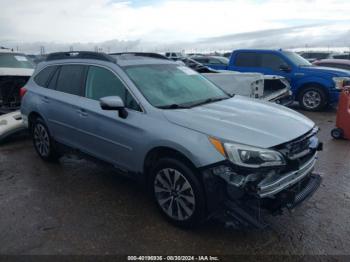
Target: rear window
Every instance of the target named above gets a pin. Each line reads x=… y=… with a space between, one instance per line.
x=44 y=76
x=345 y=56
x=15 y=61
x=70 y=79
x=247 y=60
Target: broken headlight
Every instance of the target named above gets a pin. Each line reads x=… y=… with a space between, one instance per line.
x=253 y=157
x=340 y=82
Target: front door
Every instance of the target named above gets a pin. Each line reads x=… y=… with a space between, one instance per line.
x=105 y=134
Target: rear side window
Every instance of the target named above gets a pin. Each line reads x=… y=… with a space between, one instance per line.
x=247 y=60
x=44 y=76
x=53 y=80
x=202 y=60
x=70 y=79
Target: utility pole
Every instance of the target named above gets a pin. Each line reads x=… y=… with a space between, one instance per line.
x=42 y=50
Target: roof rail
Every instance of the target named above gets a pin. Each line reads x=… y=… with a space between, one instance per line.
x=144 y=54
x=80 y=55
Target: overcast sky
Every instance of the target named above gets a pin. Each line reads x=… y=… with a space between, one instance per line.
x=164 y=24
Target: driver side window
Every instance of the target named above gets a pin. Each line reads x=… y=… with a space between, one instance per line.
x=272 y=61
x=101 y=82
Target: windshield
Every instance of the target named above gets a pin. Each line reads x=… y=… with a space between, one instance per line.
x=15 y=61
x=173 y=86
x=297 y=59
x=224 y=60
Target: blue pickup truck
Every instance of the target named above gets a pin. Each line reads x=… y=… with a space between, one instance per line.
x=313 y=87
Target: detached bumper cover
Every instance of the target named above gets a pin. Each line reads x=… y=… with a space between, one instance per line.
x=11 y=123
x=271 y=186
x=242 y=207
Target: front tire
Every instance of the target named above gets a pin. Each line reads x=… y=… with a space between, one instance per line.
x=178 y=193
x=313 y=98
x=42 y=141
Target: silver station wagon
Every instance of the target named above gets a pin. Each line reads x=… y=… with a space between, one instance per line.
x=201 y=152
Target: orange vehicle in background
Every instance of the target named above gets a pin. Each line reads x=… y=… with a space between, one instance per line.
x=342 y=129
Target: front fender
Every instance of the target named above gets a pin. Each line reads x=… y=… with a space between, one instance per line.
x=327 y=84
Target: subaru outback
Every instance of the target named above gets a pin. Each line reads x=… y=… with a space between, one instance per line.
x=201 y=152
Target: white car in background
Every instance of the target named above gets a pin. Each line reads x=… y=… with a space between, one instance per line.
x=15 y=71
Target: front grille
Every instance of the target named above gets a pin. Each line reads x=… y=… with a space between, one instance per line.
x=300 y=150
x=295 y=148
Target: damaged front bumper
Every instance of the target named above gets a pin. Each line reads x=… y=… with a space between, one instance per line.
x=10 y=124
x=240 y=197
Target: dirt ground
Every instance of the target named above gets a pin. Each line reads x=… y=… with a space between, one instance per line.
x=80 y=207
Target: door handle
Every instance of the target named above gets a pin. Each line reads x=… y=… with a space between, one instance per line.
x=82 y=113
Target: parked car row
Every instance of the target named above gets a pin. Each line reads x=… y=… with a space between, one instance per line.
x=202 y=152
x=255 y=85
x=313 y=56
x=312 y=86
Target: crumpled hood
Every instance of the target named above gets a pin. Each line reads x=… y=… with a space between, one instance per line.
x=323 y=70
x=243 y=120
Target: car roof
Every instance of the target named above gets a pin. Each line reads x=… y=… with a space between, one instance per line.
x=121 y=59
x=334 y=61
x=140 y=60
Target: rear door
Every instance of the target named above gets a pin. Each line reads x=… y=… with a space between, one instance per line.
x=246 y=62
x=267 y=63
x=65 y=112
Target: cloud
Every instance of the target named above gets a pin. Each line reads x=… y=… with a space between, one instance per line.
x=152 y=24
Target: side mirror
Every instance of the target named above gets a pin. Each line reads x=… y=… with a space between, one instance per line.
x=285 y=68
x=114 y=103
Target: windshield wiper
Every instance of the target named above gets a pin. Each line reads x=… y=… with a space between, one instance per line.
x=173 y=106
x=209 y=100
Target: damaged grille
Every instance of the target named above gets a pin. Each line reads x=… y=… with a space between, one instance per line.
x=300 y=150
x=297 y=148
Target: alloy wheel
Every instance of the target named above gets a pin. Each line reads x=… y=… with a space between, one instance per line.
x=312 y=99
x=174 y=194
x=41 y=140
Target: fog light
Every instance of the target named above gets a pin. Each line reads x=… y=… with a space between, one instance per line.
x=222 y=170
x=236 y=180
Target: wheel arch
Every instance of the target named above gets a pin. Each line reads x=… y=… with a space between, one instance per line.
x=161 y=152
x=303 y=86
x=31 y=118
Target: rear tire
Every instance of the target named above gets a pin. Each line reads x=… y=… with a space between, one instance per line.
x=43 y=143
x=313 y=98
x=177 y=192
x=337 y=133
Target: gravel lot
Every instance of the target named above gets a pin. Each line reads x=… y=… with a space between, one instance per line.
x=80 y=207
